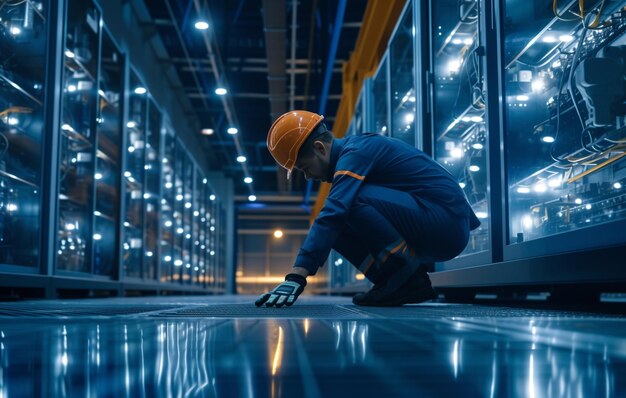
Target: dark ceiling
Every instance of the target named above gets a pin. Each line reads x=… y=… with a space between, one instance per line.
x=248 y=50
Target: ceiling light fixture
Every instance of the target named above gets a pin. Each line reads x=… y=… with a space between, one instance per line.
x=207 y=131
x=241 y=159
x=232 y=131
x=248 y=180
x=221 y=91
x=202 y=25
x=140 y=90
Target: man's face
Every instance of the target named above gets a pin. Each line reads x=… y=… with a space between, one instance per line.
x=315 y=166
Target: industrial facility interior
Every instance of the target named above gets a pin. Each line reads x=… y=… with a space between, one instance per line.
x=141 y=213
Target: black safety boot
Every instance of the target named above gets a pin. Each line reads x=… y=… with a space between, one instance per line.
x=399 y=289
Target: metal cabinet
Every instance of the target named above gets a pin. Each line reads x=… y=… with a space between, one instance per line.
x=402 y=85
x=108 y=158
x=460 y=133
x=23 y=43
x=564 y=125
x=78 y=136
x=134 y=178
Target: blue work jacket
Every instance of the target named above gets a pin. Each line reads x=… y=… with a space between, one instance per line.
x=383 y=161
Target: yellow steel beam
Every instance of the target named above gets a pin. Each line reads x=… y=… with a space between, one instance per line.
x=381 y=17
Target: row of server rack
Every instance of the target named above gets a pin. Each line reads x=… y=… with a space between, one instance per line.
x=524 y=102
x=96 y=189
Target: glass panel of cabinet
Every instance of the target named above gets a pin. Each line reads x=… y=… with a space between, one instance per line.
x=108 y=158
x=169 y=254
x=380 y=92
x=134 y=178
x=402 y=86
x=152 y=192
x=23 y=42
x=565 y=125
x=460 y=132
x=77 y=140
x=188 y=168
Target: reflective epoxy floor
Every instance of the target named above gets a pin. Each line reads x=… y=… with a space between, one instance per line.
x=321 y=347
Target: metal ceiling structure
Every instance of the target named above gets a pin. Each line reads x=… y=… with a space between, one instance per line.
x=271 y=56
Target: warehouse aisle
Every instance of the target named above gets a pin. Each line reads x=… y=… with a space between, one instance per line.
x=322 y=347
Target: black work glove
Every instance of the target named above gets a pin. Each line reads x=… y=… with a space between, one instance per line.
x=284 y=294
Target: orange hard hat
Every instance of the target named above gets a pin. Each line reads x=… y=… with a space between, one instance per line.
x=287 y=135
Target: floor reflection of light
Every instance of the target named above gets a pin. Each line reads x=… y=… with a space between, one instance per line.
x=337 y=327
x=306 y=326
x=278 y=354
x=455 y=358
x=363 y=341
x=531 y=378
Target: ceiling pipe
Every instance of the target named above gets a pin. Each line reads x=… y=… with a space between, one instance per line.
x=310 y=54
x=275 y=28
x=341 y=8
x=294 y=27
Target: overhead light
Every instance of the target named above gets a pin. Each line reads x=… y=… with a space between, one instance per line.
x=454 y=66
x=220 y=91
x=98 y=176
x=409 y=118
x=477 y=145
x=207 y=131
x=247 y=180
x=232 y=131
x=252 y=198
x=97 y=236
x=15 y=30
x=468 y=41
x=457 y=41
x=522 y=98
x=462 y=185
x=140 y=90
x=212 y=197
x=523 y=190
x=456 y=153
x=538 y=85
x=474 y=168
x=555 y=182
x=566 y=38
x=241 y=159
x=547 y=138
x=278 y=234
x=71 y=88
x=549 y=39
x=540 y=187
x=69 y=54
x=476 y=119
x=131 y=124
x=202 y=25
x=481 y=214
x=578 y=201
x=617 y=185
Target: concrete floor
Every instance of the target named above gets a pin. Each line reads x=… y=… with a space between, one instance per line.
x=223 y=346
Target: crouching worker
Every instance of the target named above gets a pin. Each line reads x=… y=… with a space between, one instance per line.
x=391 y=209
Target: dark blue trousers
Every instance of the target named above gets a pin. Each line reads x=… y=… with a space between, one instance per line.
x=385 y=225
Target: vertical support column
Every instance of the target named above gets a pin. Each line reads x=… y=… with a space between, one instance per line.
x=492 y=57
x=50 y=161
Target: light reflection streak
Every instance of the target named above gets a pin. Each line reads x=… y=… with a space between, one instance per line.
x=531 y=377
x=278 y=353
